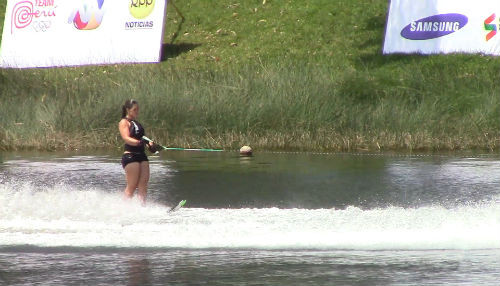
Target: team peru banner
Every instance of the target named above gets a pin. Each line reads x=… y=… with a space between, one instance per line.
x=443 y=26
x=47 y=33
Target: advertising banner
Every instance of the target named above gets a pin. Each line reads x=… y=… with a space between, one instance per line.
x=443 y=26
x=47 y=33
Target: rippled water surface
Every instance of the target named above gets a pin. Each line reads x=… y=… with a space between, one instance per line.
x=272 y=219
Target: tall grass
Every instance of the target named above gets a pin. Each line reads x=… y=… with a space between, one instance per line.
x=301 y=75
x=274 y=107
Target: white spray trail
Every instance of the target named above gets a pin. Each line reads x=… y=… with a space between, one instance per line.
x=64 y=216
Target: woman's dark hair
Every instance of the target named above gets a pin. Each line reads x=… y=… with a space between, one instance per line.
x=129 y=103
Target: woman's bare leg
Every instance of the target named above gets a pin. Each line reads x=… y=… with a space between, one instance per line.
x=143 y=181
x=132 y=174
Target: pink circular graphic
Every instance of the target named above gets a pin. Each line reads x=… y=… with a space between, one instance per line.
x=22 y=15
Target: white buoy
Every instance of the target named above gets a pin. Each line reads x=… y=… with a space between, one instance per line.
x=246 y=151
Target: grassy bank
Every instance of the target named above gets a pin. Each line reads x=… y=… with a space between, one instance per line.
x=295 y=75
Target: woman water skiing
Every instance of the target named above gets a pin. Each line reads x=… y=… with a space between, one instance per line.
x=134 y=159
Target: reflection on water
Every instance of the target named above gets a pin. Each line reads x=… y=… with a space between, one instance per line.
x=139 y=272
x=250 y=267
x=332 y=181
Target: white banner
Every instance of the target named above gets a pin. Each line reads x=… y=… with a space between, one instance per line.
x=47 y=33
x=443 y=26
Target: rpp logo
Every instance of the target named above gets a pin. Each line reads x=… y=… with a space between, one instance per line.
x=140 y=9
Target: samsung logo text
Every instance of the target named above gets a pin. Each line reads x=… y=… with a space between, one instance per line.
x=434 y=26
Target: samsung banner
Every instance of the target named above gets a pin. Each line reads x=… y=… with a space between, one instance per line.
x=46 y=33
x=443 y=26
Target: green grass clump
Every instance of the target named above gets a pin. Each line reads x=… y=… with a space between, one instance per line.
x=295 y=75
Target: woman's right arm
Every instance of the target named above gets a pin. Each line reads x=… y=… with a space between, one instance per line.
x=124 y=126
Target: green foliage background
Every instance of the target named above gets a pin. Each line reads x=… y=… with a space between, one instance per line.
x=291 y=74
